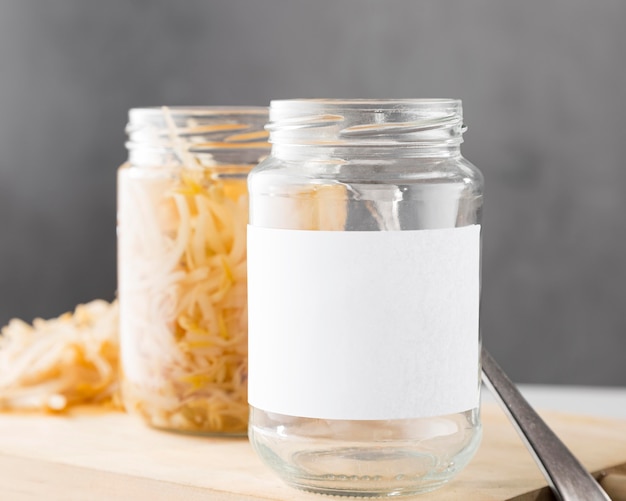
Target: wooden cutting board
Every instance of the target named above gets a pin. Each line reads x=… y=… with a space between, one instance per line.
x=98 y=455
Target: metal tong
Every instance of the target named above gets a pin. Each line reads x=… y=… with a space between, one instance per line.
x=566 y=476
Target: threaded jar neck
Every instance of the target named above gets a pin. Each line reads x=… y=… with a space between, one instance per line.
x=197 y=137
x=408 y=127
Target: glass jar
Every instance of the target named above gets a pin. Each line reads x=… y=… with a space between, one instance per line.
x=364 y=285
x=182 y=215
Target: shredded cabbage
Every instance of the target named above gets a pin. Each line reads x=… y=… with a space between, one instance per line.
x=56 y=363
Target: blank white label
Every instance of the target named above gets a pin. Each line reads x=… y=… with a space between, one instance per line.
x=363 y=324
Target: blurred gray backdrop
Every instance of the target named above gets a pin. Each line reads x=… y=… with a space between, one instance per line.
x=544 y=90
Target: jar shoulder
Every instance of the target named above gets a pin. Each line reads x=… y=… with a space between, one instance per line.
x=407 y=171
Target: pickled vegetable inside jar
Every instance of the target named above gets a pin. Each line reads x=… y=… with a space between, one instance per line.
x=182 y=215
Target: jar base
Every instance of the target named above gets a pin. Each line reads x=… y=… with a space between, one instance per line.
x=201 y=433
x=376 y=471
x=379 y=493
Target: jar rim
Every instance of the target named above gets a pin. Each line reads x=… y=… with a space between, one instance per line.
x=334 y=123
x=209 y=134
x=157 y=111
x=361 y=104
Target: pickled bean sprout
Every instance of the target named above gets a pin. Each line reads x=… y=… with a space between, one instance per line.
x=184 y=311
x=57 y=363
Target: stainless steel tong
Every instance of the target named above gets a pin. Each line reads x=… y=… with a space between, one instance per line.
x=568 y=479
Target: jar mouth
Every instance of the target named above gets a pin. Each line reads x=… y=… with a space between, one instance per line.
x=198 y=134
x=372 y=122
x=152 y=112
x=413 y=104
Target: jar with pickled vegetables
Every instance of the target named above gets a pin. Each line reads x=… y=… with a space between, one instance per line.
x=182 y=215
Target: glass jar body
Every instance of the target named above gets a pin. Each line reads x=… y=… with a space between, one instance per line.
x=357 y=188
x=182 y=214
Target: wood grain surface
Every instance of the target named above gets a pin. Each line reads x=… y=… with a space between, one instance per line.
x=97 y=455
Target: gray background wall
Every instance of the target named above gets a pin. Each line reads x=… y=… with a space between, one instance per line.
x=544 y=89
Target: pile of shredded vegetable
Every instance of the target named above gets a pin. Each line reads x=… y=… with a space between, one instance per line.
x=53 y=364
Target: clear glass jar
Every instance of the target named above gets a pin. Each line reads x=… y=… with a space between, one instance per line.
x=364 y=285
x=182 y=215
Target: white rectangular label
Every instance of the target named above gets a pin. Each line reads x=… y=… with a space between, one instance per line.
x=363 y=324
